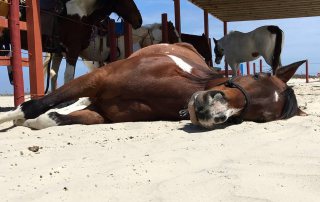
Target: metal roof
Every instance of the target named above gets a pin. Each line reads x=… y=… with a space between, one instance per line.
x=241 y=10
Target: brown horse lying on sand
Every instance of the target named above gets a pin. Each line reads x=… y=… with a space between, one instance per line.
x=156 y=83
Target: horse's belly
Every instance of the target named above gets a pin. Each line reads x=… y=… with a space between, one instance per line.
x=131 y=110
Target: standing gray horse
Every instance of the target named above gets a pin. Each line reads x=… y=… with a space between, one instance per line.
x=238 y=47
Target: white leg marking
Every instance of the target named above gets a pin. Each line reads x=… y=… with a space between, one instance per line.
x=44 y=121
x=11 y=115
x=180 y=63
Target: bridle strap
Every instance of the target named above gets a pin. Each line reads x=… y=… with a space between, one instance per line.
x=232 y=84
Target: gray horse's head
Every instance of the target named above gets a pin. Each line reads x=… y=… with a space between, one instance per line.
x=218 y=51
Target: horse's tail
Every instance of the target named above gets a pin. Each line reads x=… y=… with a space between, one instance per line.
x=278 y=46
x=47 y=67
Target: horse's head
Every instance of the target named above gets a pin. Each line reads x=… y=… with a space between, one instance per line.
x=258 y=98
x=218 y=51
x=173 y=34
x=128 y=10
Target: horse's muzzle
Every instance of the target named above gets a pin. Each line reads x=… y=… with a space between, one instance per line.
x=208 y=108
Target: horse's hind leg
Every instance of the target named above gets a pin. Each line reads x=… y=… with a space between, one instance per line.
x=69 y=73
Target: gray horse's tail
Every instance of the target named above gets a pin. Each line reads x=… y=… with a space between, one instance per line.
x=48 y=74
x=278 y=46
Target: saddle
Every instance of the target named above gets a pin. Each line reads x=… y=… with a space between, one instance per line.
x=49 y=12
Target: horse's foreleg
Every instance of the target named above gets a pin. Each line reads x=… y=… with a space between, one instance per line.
x=10 y=74
x=56 y=61
x=234 y=67
x=85 y=86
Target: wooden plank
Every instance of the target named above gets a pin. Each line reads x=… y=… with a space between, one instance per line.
x=6 y=61
x=4 y=23
x=240 y=10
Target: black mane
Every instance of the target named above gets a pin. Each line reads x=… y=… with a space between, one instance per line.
x=291 y=105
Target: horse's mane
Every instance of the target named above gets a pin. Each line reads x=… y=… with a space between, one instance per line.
x=203 y=76
x=291 y=105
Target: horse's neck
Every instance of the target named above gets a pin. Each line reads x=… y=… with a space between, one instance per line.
x=146 y=35
x=139 y=34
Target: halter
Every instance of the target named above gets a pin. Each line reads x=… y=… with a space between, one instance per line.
x=289 y=110
x=231 y=84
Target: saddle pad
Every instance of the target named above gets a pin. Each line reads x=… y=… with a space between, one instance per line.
x=119 y=28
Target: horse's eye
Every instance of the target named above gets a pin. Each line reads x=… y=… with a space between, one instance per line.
x=256 y=76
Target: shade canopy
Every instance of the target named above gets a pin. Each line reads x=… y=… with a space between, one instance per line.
x=242 y=10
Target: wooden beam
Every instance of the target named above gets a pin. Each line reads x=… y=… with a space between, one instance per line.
x=206 y=23
x=128 y=39
x=112 y=40
x=18 y=85
x=177 y=15
x=35 y=49
x=225 y=32
x=164 y=20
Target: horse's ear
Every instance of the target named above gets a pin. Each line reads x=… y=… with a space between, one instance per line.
x=286 y=72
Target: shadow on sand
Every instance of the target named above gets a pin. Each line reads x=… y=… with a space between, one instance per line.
x=190 y=128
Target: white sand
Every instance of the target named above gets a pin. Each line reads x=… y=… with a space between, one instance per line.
x=166 y=161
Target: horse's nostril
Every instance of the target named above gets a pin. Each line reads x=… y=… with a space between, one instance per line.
x=199 y=108
x=220 y=119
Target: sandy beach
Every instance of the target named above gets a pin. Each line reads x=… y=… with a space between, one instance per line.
x=166 y=161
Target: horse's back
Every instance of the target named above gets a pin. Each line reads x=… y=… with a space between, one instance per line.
x=178 y=49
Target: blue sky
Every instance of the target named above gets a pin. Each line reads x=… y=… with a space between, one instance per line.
x=302 y=35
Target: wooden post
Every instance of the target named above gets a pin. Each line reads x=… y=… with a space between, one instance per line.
x=35 y=49
x=177 y=15
x=164 y=19
x=254 y=68
x=248 y=68
x=225 y=32
x=307 y=71
x=210 y=62
x=16 y=61
x=128 y=39
x=112 y=40
x=260 y=65
x=206 y=23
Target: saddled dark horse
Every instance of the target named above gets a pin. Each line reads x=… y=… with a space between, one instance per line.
x=156 y=83
x=76 y=22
